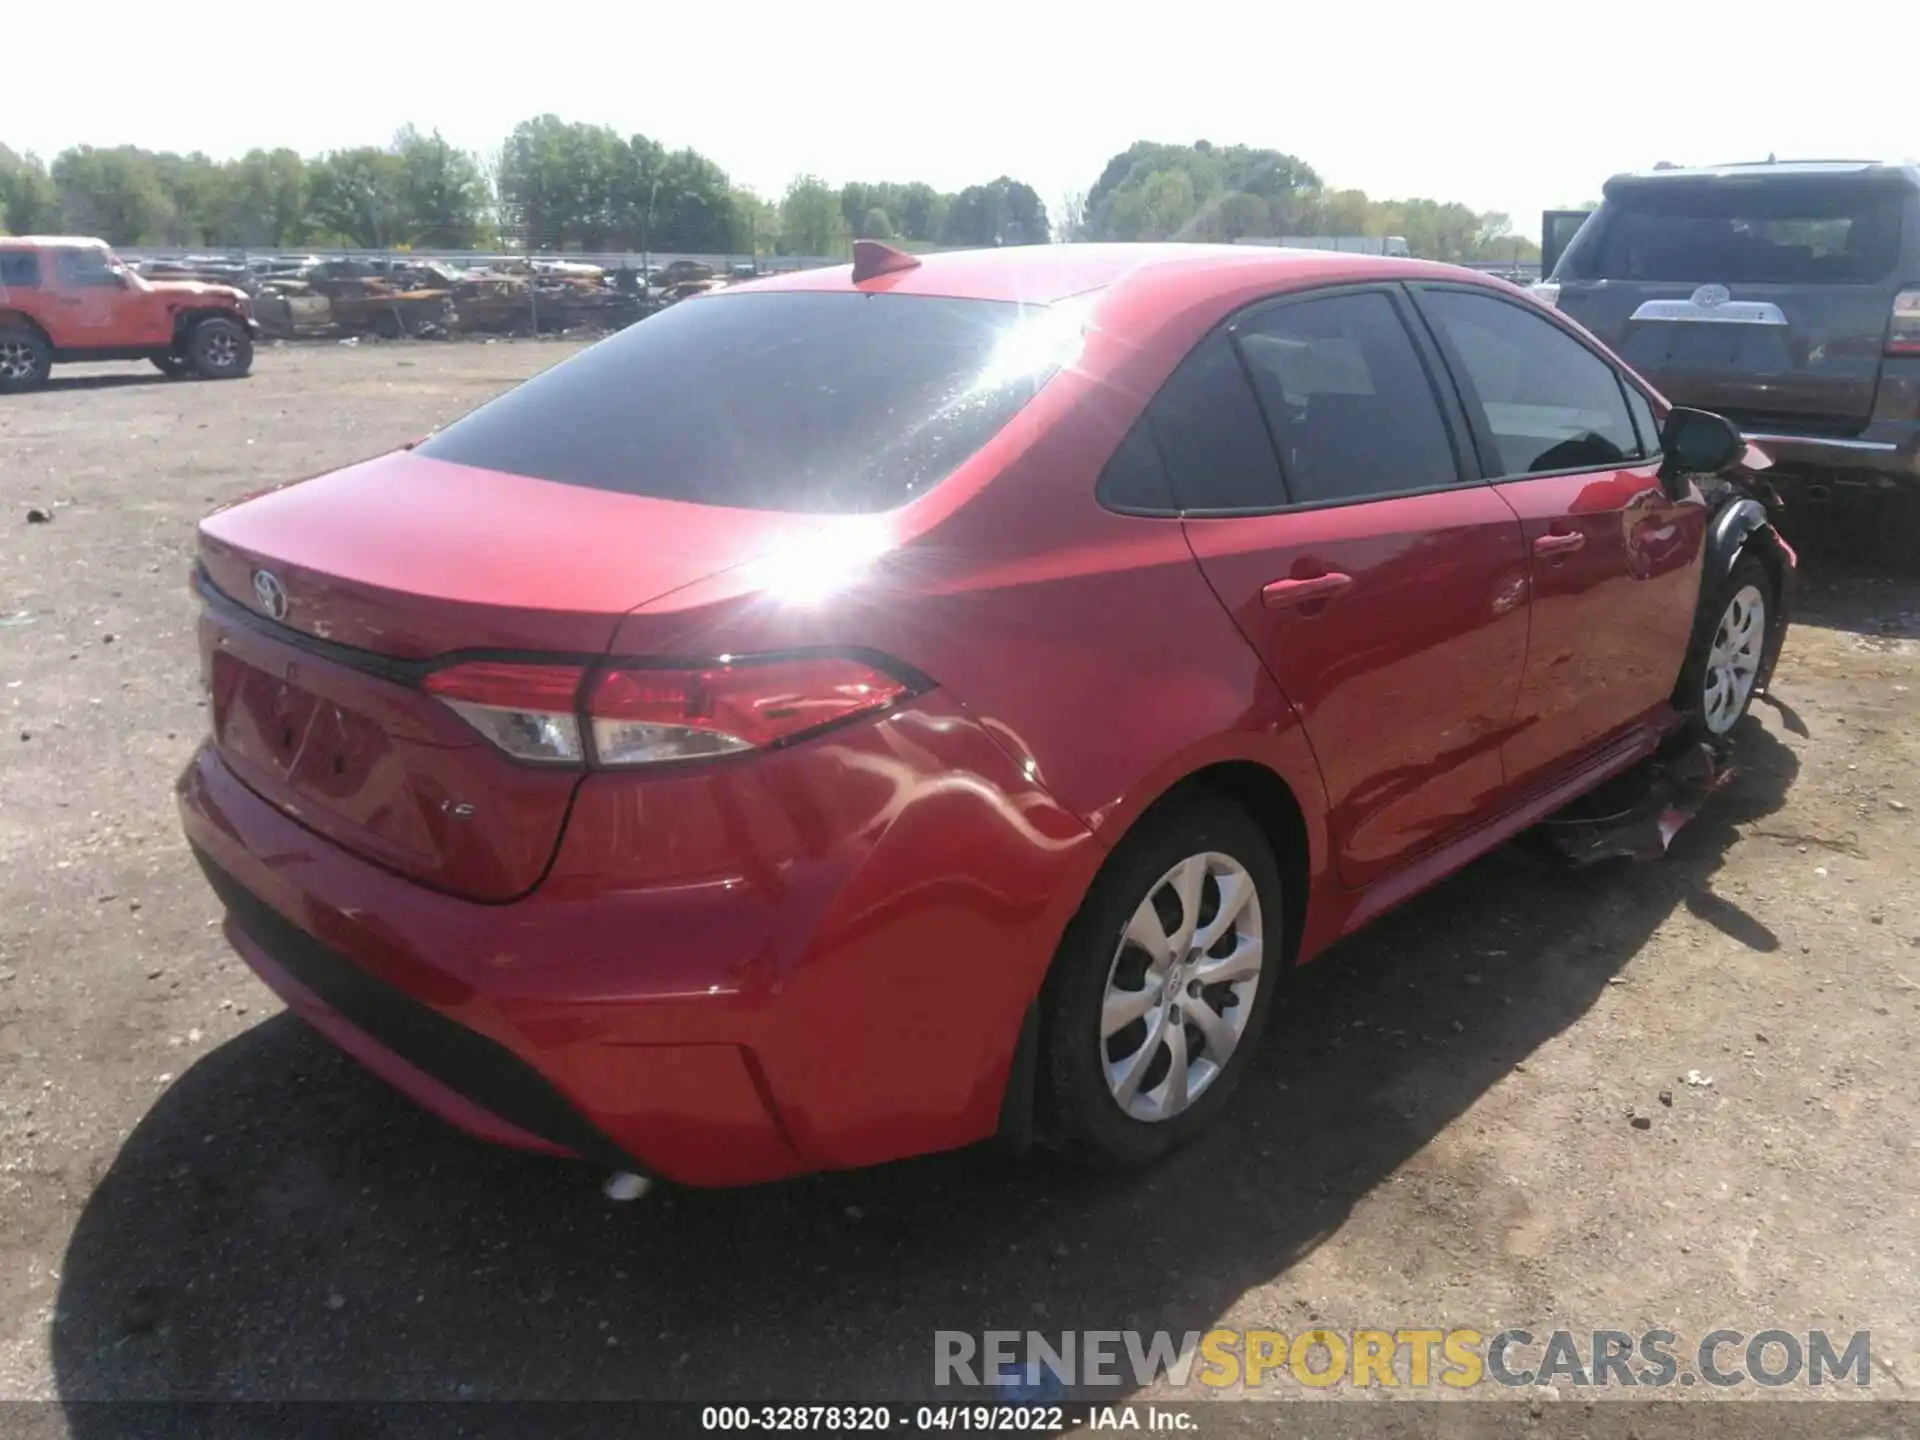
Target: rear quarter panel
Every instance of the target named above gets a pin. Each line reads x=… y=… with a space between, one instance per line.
x=1083 y=667
x=1087 y=643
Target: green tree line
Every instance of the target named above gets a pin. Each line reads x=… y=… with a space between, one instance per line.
x=418 y=190
x=1212 y=192
x=559 y=185
x=552 y=185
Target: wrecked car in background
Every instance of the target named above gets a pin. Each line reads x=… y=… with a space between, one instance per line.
x=421 y=298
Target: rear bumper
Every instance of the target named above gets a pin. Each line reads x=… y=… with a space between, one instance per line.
x=697 y=1114
x=474 y=1011
x=1882 y=454
x=459 y=1074
x=854 y=1001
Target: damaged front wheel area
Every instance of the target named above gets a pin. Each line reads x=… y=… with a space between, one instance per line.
x=1636 y=815
x=1729 y=652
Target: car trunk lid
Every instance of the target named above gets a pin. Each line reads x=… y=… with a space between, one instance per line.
x=1766 y=356
x=779 y=426
x=331 y=601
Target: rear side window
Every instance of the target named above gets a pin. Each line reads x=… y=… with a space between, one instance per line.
x=792 y=401
x=1209 y=431
x=1549 y=402
x=1349 y=399
x=19 y=269
x=1135 y=480
x=1756 y=232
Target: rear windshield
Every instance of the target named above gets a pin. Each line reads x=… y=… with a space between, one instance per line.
x=798 y=401
x=1768 y=232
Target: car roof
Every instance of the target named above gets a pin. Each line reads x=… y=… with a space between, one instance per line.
x=1043 y=274
x=1772 y=169
x=41 y=242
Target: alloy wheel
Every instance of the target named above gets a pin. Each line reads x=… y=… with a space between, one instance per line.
x=223 y=351
x=1733 y=664
x=1181 y=985
x=17 y=360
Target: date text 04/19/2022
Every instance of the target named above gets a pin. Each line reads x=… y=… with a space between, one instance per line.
x=977 y=1419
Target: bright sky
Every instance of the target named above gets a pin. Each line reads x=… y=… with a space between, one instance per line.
x=1501 y=106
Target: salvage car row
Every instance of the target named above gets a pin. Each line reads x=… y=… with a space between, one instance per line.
x=71 y=299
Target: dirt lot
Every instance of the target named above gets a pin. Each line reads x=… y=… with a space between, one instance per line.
x=199 y=1198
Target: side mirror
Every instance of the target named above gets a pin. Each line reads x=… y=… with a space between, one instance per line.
x=120 y=280
x=1698 y=442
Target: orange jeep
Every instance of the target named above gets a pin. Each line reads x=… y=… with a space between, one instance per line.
x=68 y=299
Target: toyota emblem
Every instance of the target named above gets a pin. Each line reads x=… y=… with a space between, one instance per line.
x=270 y=593
x=1708 y=296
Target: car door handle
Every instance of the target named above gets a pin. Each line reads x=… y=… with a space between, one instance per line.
x=1559 y=544
x=1280 y=594
x=69 y=300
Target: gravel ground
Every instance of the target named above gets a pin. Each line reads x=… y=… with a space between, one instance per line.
x=199 y=1198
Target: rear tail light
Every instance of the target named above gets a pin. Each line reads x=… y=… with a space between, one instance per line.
x=641 y=717
x=1903 y=334
x=637 y=715
x=529 y=711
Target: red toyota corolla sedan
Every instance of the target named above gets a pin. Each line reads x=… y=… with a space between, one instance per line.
x=873 y=710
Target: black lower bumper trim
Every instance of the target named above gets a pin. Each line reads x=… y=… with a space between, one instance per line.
x=483 y=1070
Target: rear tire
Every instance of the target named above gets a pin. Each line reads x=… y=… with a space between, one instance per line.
x=25 y=361
x=1729 y=650
x=220 y=349
x=1161 y=986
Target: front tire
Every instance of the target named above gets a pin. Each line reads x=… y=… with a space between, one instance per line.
x=1722 y=672
x=25 y=361
x=220 y=349
x=1162 y=986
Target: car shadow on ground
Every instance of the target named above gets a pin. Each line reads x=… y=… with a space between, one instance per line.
x=116 y=381
x=281 y=1225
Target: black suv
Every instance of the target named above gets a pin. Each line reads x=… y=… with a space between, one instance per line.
x=1784 y=296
